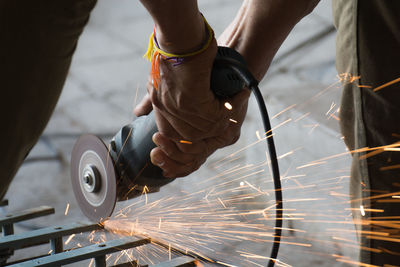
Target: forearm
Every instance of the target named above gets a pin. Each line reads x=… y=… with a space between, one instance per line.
x=260 y=28
x=179 y=25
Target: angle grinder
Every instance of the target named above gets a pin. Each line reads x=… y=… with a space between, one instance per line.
x=103 y=174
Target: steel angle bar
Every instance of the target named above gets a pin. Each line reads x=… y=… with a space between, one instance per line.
x=184 y=261
x=23 y=215
x=40 y=236
x=96 y=251
x=130 y=264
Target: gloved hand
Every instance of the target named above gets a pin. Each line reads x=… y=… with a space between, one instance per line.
x=192 y=122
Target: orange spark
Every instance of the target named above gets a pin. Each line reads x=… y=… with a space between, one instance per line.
x=311 y=164
x=397 y=240
x=185 y=142
x=392 y=167
x=386 y=84
x=283 y=111
x=357 y=263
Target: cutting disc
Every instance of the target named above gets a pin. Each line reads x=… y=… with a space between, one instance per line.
x=93 y=178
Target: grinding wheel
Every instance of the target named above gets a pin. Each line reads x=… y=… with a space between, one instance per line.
x=93 y=178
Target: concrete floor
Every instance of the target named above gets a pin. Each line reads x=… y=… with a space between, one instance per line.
x=107 y=79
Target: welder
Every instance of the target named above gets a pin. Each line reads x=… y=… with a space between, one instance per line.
x=38 y=39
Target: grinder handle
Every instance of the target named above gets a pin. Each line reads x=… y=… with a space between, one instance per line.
x=225 y=82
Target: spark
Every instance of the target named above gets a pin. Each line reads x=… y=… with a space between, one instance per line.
x=228 y=106
x=286 y=154
x=232 y=120
x=397 y=240
x=302 y=117
x=185 y=142
x=258 y=135
x=69 y=239
x=310 y=165
x=362 y=210
x=66 y=210
x=233 y=206
x=123 y=145
x=344 y=239
x=222 y=203
x=283 y=111
x=369 y=210
x=357 y=263
x=392 y=149
x=392 y=167
x=145 y=191
x=359 y=231
x=330 y=109
x=386 y=84
x=225 y=264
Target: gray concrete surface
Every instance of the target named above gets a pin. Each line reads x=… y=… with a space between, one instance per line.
x=107 y=79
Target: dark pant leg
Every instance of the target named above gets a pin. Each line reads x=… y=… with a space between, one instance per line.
x=379 y=63
x=368 y=43
x=37 y=41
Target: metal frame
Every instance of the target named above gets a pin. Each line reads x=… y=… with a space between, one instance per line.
x=53 y=235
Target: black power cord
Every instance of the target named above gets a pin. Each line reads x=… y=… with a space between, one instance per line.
x=245 y=75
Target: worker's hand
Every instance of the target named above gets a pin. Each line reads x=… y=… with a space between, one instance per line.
x=192 y=122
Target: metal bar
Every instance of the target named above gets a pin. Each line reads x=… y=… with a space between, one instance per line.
x=100 y=261
x=130 y=264
x=8 y=229
x=56 y=245
x=184 y=261
x=26 y=215
x=44 y=235
x=85 y=253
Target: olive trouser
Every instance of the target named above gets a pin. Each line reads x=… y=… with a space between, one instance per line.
x=368 y=49
x=38 y=39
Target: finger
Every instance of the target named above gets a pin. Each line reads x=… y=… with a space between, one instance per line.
x=144 y=107
x=171 y=150
x=192 y=109
x=177 y=128
x=171 y=168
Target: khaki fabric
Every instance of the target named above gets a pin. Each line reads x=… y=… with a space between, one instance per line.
x=368 y=43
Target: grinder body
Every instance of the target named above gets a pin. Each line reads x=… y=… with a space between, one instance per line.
x=132 y=172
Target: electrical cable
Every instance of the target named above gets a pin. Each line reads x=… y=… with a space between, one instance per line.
x=249 y=80
x=275 y=174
